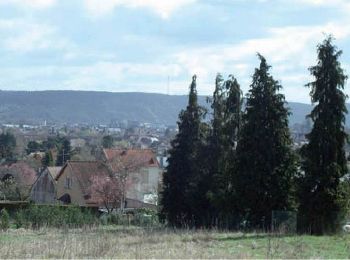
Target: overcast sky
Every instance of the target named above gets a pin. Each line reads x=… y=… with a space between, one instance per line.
x=136 y=45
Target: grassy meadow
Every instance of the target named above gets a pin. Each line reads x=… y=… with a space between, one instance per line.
x=133 y=242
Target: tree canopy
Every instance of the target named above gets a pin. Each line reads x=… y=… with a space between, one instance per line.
x=265 y=162
x=324 y=161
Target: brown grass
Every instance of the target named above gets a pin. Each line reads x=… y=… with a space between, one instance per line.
x=132 y=242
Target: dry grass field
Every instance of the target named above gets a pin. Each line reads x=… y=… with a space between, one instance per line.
x=132 y=242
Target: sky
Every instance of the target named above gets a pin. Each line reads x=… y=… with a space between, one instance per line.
x=157 y=45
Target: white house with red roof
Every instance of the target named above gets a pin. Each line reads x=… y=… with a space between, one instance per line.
x=140 y=169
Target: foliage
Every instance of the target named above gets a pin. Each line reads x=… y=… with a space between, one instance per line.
x=54 y=216
x=324 y=162
x=17 y=181
x=8 y=189
x=34 y=146
x=19 y=219
x=7 y=146
x=225 y=123
x=138 y=217
x=122 y=165
x=265 y=167
x=64 y=152
x=179 y=196
x=106 y=191
x=107 y=141
x=47 y=160
x=4 y=219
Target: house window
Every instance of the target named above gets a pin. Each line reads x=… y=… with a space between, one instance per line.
x=68 y=183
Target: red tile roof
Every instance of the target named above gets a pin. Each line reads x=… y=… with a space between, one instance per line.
x=130 y=158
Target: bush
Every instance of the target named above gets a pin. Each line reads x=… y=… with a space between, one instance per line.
x=139 y=217
x=19 y=219
x=115 y=219
x=145 y=217
x=54 y=216
x=5 y=219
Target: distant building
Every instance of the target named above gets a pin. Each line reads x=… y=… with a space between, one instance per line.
x=142 y=169
x=77 y=143
x=74 y=182
x=44 y=190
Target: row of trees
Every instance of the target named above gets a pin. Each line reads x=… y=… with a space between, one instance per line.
x=59 y=144
x=241 y=166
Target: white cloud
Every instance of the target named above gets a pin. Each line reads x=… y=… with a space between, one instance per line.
x=164 y=8
x=23 y=35
x=36 y=4
x=290 y=50
x=37 y=37
x=107 y=76
x=343 y=5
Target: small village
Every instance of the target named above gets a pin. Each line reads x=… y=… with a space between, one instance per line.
x=134 y=154
x=174 y=129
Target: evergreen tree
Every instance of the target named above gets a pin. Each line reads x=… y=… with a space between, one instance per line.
x=226 y=107
x=107 y=141
x=47 y=159
x=181 y=176
x=64 y=152
x=265 y=162
x=33 y=147
x=7 y=146
x=215 y=163
x=324 y=162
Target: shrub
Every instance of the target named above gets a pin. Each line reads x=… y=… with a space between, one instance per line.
x=4 y=219
x=19 y=219
x=145 y=217
x=54 y=216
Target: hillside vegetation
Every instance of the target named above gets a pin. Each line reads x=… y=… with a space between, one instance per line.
x=34 y=107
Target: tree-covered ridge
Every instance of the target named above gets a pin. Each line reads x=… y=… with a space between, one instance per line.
x=94 y=107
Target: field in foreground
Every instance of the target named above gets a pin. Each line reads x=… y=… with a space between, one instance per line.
x=119 y=242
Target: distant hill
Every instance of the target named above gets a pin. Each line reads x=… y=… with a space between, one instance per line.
x=33 y=107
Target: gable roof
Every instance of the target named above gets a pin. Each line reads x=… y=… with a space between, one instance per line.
x=83 y=172
x=130 y=157
x=54 y=171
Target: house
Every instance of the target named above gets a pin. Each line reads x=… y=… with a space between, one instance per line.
x=44 y=189
x=140 y=169
x=74 y=182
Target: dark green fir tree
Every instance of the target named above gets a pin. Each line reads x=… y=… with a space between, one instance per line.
x=220 y=150
x=64 y=152
x=324 y=161
x=47 y=160
x=265 y=161
x=7 y=147
x=180 y=178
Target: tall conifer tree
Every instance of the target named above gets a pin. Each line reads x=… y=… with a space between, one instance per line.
x=265 y=161
x=180 y=177
x=226 y=108
x=324 y=161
